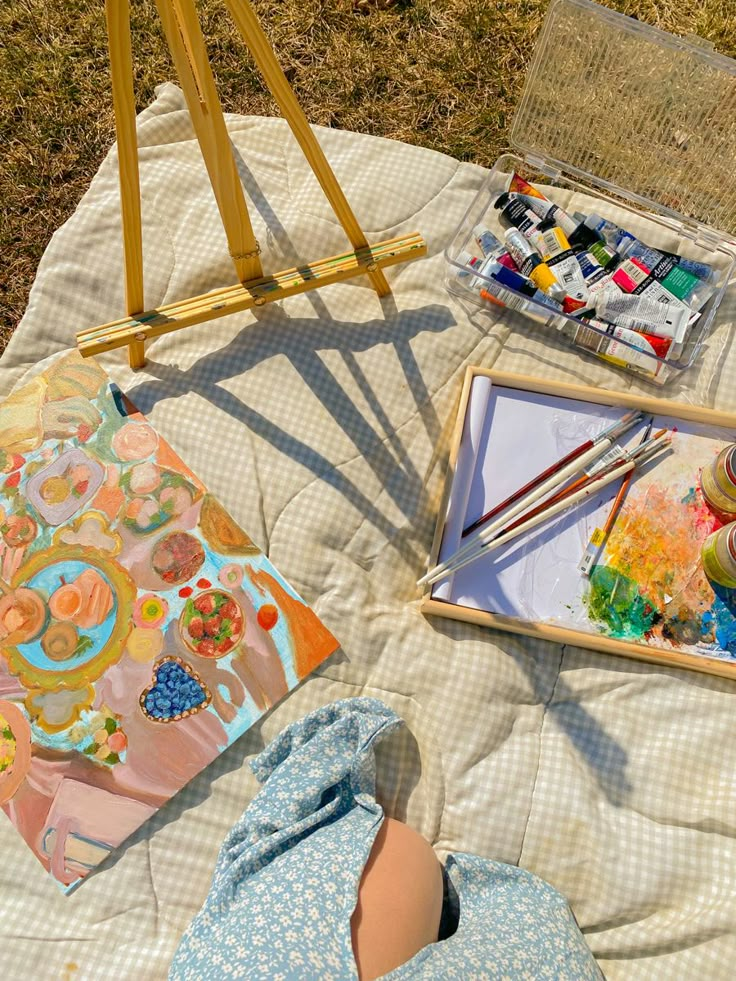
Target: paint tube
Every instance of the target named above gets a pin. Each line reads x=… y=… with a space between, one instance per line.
x=666 y=282
x=662 y=315
x=548 y=211
x=491 y=246
x=582 y=236
x=629 y=246
x=513 y=213
x=640 y=356
x=521 y=250
x=591 y=269
x=552 y=244
x=487 y=241
x=604 y=254
x=540 y=204
x=470 y=264
x=686 y=286
x=521 y=284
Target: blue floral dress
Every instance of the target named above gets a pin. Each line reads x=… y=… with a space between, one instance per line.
x=287 y=877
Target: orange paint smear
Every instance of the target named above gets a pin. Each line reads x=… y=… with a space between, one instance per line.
x=312 y=641
x=656 y=542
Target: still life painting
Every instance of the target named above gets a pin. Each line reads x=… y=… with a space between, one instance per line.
x=141 y=630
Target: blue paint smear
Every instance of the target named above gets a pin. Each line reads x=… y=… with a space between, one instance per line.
x=723 y=617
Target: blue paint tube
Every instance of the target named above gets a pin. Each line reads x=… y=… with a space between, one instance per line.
x=629 y=246
x=591 y=269
x=522 y=284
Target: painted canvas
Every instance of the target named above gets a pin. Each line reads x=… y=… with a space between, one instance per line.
x=648 y=586
x=141 y=630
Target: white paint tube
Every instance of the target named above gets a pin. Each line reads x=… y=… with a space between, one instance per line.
x=642 y=357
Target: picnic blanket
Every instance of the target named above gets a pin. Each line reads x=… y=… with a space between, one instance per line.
x=322 y=423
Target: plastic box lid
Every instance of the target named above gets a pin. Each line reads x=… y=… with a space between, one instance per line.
x=637 y=111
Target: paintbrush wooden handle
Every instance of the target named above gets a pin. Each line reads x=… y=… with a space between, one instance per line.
x=534 y=482
x=486 y=534
x=595 y=485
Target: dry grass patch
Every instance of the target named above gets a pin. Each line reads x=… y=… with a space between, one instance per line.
x=445 y=74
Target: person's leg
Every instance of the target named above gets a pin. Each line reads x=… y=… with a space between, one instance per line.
x=399 y=901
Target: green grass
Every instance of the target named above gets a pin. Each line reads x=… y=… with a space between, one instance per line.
x=445 y=74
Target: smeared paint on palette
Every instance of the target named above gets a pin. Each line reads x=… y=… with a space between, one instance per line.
x=141 y=630
x=650 y=585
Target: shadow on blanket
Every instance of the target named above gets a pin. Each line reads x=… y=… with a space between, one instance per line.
x=301 y=341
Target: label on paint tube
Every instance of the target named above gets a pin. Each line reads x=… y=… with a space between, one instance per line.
x=549 y=212
x=591 y=269
x=522 y=251
x=656 y=312
x=606 y=256
x=516 y=214
x=610 y=348
x=556 y=252
x=487 y=241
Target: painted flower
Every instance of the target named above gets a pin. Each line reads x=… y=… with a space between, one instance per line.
x=231 y=575
x=150 y=611
x=108 y=742
x=135 y=441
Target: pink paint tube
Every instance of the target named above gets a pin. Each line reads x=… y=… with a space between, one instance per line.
x=642 y=303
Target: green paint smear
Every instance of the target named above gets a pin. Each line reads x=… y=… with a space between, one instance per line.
x=614 y=600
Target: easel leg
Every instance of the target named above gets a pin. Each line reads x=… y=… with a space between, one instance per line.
x=184 y=37
x=259 y=46
x=136 y=354
x=121 y=69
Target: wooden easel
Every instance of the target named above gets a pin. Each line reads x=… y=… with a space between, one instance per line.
x=186 y=43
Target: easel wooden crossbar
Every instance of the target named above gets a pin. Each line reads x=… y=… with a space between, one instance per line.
x=186 y=43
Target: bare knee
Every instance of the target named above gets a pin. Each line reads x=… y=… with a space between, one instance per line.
x=399 y=901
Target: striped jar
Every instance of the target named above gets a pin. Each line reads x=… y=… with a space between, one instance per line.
x=718 y=483
x=719 y=556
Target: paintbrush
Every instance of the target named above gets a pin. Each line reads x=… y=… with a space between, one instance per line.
x=600 y=445
x=523 y=524
x=612 y=432
x=600 y=536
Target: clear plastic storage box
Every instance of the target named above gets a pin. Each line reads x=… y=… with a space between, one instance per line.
x=642 y=124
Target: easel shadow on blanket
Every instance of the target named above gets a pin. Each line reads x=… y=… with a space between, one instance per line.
x=302 y=341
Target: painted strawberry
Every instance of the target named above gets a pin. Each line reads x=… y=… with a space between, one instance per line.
x=230 y=610
x=225 y=645
x=10 y=461
x=84 y=432
x=205 y=604
x=206 y=647
x=13 y=480
x=196 y=627
x=212 y=626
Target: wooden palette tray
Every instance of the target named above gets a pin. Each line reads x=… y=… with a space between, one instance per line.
x=533 y=586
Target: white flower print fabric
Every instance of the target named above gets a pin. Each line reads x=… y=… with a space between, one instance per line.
x=286 y=880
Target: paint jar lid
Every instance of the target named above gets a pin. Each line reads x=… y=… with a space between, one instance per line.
x=502 y=200
x=633 y=110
